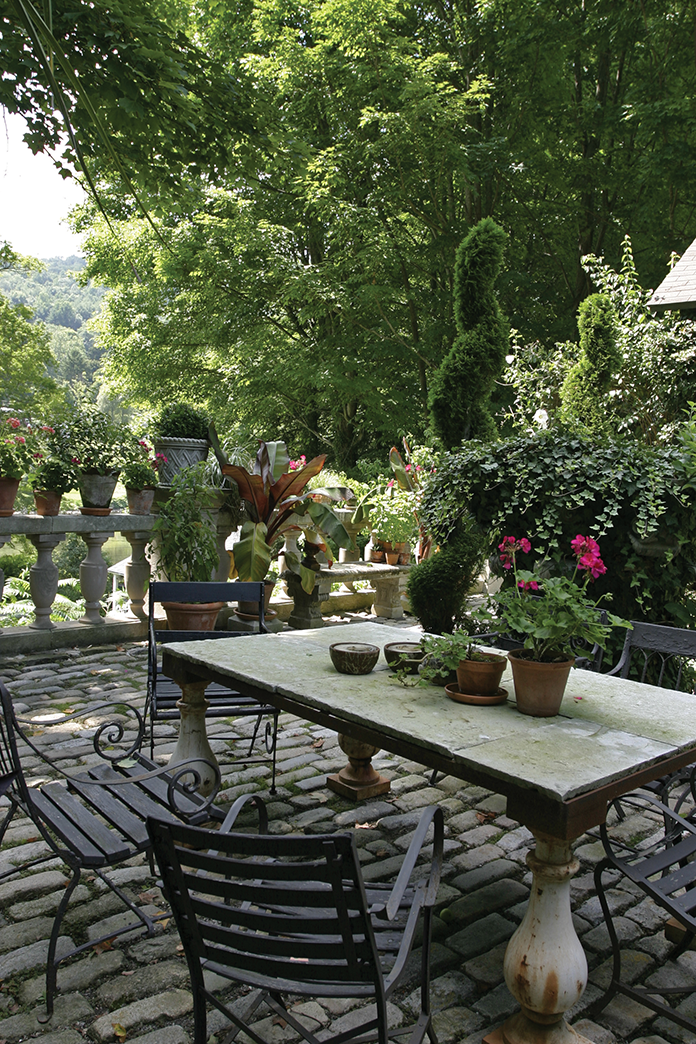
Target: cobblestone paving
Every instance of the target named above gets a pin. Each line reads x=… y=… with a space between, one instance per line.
x=139 y=986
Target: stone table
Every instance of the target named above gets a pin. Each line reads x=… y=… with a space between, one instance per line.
x=558 y=774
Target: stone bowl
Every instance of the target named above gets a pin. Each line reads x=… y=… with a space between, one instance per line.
x=353 y=657
x=404 y=656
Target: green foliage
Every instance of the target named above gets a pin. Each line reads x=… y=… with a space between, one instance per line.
x=69 y=554
x=552 y=485
x=89 y=439
x=179 y=420
x=392 y=515
x=437 y=587
x=25 y=358
x=17 y=606
x=585 y=389
x=53 y=474
x=183 y=535
x=462 y=386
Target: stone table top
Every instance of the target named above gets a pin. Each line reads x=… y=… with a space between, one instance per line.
x=608 y=729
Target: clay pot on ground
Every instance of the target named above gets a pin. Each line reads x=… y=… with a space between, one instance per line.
x=8 y=492
x=539 y=687
x=481 y=677
x=192 y=616
x=47 y=501
x=96 y=492
x=252 y=608
x=140 y=501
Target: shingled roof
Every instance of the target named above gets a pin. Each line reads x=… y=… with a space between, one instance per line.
x=678 y=289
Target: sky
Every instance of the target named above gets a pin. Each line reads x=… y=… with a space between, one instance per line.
x=34 y=199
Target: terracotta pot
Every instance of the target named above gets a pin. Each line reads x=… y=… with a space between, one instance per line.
x=392 y=557
x=539 y=687
x=377 y=555
x=252 y=608
x=140 y=501
x=96 y=492
x=8 y=492
x=481 y=677
x=47 y=501
x=192 y=616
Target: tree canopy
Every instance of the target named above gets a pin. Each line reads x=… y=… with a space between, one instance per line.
x=312 y=169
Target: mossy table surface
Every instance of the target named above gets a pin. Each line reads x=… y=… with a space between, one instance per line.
x=558 y=773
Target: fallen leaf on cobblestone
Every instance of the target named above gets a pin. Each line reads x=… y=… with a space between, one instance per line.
x=277 y=1021
x=101 y=947
x=119 y=1032
x=365 y=826
x=149 y=897
x=128 y=973
x=484 y=816
x=180 y=948
x=318 y=743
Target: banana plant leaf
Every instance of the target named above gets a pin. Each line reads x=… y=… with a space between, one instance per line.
x=251 y=554
x=403 y=479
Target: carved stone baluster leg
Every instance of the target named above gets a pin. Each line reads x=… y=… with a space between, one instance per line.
x=193 y=739
x=3 y=541
x=43 y=579
x=137 y=573
x=545 y=965
x=93 y=576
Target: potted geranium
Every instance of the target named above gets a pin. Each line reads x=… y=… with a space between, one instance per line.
x=139 y=475
x=17 y=445
x=478 y=671
x=94 y=444
x=550 y=613
x=50 y=478
x=393 y=522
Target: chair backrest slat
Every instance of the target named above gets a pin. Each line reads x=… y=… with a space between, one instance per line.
x=657 y=646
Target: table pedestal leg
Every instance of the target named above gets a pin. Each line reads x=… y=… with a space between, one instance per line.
x=193 y=740
x=545 y=965
x=358 y=780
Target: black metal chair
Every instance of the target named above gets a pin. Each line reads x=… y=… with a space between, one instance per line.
x=291 y=914
x=662 y=653
x=94 y=819
x=163 y=694
x=665 y=871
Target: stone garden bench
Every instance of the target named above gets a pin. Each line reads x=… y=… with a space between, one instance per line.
x=386 y=579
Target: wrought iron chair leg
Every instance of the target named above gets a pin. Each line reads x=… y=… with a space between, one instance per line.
x=615 y=984
x=51 y=962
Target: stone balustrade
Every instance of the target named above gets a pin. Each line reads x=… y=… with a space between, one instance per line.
x=45 y=533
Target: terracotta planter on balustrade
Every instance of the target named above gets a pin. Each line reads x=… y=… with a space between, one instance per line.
x=96 y=492
x=8 y=492
x=539 y=687
x=140 y=501
x=47 y=501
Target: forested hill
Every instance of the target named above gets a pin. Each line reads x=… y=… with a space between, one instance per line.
x=56 y=297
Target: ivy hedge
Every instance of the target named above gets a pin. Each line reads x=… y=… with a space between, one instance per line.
x=636 y=500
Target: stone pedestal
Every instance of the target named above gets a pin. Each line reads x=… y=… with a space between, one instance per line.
x=93 y=576
x=388 y=597
x=43 y=579
x=193 y=740
x=358 y=780
x=306 y=611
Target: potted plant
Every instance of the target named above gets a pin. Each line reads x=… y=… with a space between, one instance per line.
x=550 y=613
x=478 y=671
x=184 y=543
x=180 y=435
x=16 y=456
x=93 y=442
x=277 y=502
x=393 y=522
x=50 y=478
x=139 y=476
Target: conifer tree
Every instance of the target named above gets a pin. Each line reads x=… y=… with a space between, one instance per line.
x=461 y=387
x=588 y=382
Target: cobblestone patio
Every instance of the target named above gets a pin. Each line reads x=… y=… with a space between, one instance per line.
x=137 y=988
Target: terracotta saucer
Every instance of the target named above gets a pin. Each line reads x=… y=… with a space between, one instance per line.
x=484 y=701
x=270 y=614
x=95 y=511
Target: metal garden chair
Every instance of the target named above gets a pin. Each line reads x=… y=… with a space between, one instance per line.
x=291 y=914
x=93 y=819
x=163 y=694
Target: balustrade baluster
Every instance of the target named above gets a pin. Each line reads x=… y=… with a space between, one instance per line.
x=137 y=572
x=43 y=579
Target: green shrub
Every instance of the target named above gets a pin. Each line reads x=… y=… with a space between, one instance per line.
x=178 y=420
x=551 y=486
x=437 y=587
x=584 y=390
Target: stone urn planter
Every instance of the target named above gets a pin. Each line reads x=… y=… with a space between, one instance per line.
x=180 y=453
x=96 y=492
x=539 y=687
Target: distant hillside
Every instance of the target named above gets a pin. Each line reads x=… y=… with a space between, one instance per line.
x=56 y=298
